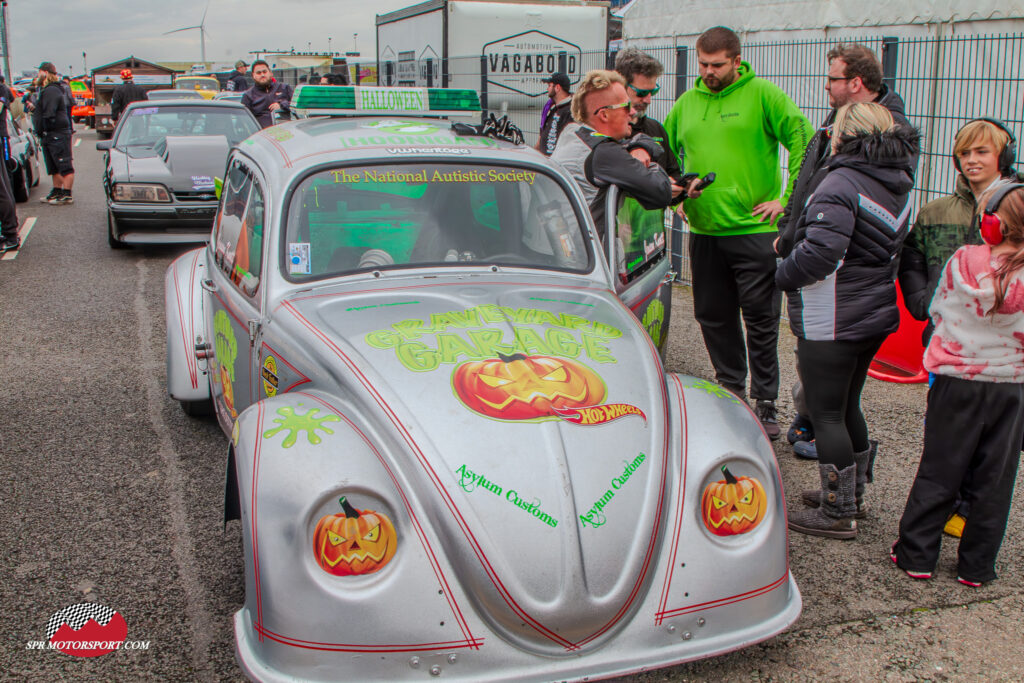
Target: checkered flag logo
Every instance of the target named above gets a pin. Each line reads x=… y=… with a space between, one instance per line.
x=76 y=616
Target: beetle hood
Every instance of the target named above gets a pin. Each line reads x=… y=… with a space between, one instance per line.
x=533 y=428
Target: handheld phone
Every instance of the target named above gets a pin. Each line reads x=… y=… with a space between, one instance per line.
x=704 y=182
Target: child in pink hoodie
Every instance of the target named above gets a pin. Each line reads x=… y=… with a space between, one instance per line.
x=975 y=417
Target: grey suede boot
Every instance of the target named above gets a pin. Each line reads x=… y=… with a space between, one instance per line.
x=864 y=461
x=833 y=518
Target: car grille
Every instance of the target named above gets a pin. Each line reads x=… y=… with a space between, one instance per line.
x=196 y=196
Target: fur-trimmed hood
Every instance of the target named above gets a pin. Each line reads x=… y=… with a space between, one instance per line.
x=888 y=156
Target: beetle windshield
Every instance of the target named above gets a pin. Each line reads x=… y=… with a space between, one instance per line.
x=432 y=214
x=148 y=125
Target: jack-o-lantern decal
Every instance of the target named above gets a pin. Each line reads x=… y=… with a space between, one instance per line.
x=354 y=541
x=519 y=387
x=733 y=506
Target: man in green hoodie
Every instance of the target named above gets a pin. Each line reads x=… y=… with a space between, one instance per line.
x=731 y=124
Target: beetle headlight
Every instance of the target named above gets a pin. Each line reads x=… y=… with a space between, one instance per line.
x=138 y=192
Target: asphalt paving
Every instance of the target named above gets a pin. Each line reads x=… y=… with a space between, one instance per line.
x=113 y=496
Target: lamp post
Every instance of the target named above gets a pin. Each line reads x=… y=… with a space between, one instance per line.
x=329 y=46
x=354 y=48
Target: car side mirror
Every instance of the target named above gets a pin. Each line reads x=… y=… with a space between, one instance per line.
x=104 y=145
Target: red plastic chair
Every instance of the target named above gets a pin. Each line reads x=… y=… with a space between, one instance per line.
x=900 y=357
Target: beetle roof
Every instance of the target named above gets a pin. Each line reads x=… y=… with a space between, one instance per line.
x=316 y=140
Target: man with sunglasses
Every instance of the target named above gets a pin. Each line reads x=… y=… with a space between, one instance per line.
x=854 y=75
x=558 y=116
x=732 y=123
x=600 y=153
x=641 y=72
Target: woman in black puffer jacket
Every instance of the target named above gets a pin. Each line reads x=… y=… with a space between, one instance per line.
x=839 y=279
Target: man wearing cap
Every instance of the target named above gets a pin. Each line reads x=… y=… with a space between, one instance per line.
x=125 y=94
x=52 y=122
x=558 y=116
x=238 y=82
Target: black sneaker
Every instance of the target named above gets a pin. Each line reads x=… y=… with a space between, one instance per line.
x=54 y=193
x=65 y=198
x=766 y=413
x=57 y=198
x=10 y=244
x=801 y=429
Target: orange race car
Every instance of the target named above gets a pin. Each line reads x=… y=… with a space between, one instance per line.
x=83 y=110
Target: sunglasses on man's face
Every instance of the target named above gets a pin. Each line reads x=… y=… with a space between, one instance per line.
x=622 y=105
x=640 y=92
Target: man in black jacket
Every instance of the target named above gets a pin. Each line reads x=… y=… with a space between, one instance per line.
x=238 y=82
x=641 y=72
x=854 y=75
x=9 y=239
x=559 y=115
x=125 y=94
x=267 y=96
x=599 y=153
x=52 y=122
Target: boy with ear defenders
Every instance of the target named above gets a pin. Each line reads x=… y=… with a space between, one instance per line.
x=984 y=152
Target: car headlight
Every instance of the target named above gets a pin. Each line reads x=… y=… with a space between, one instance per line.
x=137 y=192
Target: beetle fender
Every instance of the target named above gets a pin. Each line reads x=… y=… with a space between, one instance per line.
x=727 y=518
x=187 y=377
x=305 y=461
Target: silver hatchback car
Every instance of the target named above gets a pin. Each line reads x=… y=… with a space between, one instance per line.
x=454 y=449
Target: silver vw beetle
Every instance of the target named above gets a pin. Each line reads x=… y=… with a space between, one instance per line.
x=454 y=449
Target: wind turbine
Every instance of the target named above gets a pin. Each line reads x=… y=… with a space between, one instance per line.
x=202 y=32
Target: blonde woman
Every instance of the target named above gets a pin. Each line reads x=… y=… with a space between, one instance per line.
x=839 y=280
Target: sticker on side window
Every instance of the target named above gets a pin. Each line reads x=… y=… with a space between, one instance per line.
x=144 y=110
x=298 y=258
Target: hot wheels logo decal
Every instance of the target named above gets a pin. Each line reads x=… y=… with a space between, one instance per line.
x=598 y=415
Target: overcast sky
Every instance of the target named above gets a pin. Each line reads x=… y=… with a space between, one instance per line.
x=107 y=30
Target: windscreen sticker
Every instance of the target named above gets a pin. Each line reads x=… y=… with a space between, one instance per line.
x=298 y=258
x=428 y=150
x=144 y=110
x=492 y=175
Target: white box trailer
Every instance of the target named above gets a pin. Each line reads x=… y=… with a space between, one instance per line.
x=502 y=48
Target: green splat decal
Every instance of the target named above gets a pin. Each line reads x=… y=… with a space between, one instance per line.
x=226 y=347
x=295 y=423
x=712 y=389
x=654 y=318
